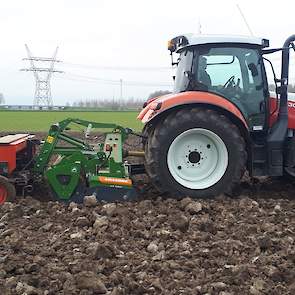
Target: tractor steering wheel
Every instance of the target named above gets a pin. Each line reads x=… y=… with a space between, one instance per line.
x=229 y=81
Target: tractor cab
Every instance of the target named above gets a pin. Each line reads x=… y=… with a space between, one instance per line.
x=230 y=67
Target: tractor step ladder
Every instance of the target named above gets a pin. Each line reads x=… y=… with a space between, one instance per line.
x=259 y=160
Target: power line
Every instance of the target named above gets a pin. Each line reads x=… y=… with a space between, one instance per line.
x=77 y=76
x=83 y=78
x=41 y=58
x=117 y=68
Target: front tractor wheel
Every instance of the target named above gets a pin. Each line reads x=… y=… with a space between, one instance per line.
x=195 y=152
x=7 y=190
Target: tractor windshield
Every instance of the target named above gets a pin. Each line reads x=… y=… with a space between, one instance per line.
x=232 y=72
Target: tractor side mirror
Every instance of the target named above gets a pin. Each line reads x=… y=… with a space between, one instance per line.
x=252 y=67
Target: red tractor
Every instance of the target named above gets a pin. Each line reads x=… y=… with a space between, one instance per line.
x=221 y=119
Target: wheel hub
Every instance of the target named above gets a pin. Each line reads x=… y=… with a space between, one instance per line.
x=194 y=157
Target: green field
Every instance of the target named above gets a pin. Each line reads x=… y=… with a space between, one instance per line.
x=28 y=121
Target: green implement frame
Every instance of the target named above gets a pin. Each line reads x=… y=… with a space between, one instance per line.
x=73 y=167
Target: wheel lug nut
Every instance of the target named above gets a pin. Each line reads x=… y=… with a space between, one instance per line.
x=179 y=167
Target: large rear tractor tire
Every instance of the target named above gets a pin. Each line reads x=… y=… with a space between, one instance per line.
x=7 y=191
x=195 y=152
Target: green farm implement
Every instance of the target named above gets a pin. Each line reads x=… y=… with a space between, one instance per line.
x=71 y=167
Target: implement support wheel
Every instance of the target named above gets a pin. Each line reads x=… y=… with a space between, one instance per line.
x=7 y=190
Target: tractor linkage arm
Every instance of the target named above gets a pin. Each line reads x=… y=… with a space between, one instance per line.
x=56 y=133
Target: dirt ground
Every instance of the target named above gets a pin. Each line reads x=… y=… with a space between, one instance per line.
x=238 y=245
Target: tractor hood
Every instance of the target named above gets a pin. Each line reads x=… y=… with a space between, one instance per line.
x=160 y=104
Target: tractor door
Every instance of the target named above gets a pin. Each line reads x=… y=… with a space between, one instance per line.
x=235 y=73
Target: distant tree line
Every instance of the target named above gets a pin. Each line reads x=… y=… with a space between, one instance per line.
x=158 y=93
x=114 y=104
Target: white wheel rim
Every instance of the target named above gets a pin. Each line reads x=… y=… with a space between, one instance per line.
x=197 y=158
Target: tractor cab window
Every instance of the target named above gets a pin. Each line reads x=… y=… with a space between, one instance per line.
x=232 y=72
x=215 y=66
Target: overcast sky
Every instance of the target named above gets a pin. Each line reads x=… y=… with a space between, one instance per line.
x=128 y=34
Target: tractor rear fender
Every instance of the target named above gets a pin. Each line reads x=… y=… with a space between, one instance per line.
x=159 y=108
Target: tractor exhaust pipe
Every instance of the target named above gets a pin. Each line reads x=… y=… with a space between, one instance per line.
x=283 y=111
x=278 y=132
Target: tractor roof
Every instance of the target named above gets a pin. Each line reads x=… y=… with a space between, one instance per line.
x=179 y=42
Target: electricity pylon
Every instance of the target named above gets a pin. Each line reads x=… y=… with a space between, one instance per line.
x=42 y=76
